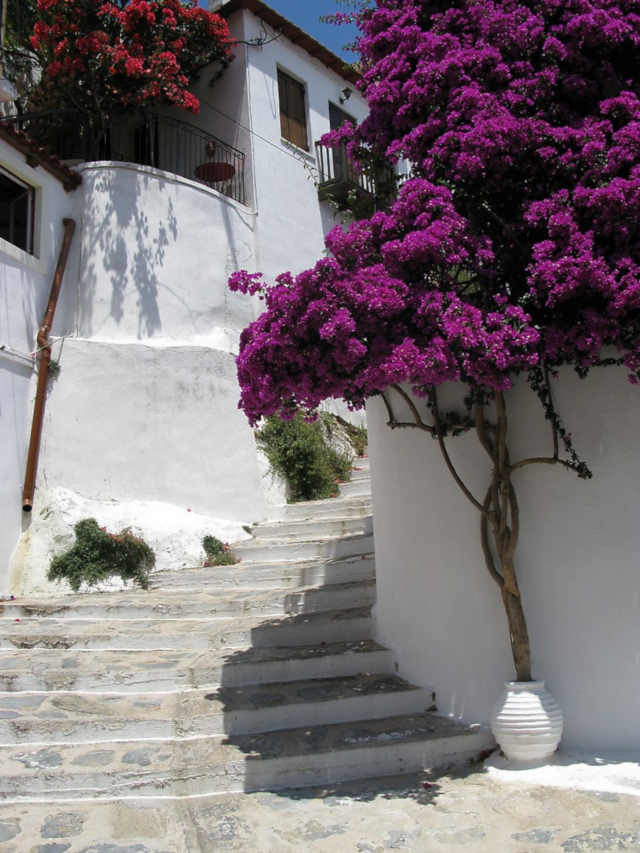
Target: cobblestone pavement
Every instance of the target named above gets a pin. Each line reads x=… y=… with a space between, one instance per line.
x=462 y=810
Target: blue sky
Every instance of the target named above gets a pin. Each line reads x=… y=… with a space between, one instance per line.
x=305 y=14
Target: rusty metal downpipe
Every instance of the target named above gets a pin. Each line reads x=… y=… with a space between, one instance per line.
x=44 y=348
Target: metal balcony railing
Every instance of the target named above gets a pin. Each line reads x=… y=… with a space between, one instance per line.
x=148 y=139
x=337 y=175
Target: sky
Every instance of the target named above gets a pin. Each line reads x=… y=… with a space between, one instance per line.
x=305 y=14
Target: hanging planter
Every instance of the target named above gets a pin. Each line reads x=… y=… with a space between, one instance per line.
x=527 y=721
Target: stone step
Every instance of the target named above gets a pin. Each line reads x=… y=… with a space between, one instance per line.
x=356 y=488
x=193 y=603
x=78 y=717
x=275 y=550
x=279 y=575
x=148 y=671
x=332 y=597
x=329 y=508
x=213 y=632
x=361 y=472
x=200 y=766
x=349 y=625
x=313 y=528
x=270 y=707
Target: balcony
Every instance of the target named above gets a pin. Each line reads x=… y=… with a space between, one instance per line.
x=341 y=183
x=147 y=139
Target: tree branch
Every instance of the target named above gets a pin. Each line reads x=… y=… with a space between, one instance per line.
x=514 y=533
x=447 y=458
x=554 y=428
x=486 y=547
x=393 y=423
x=540 y=460
x=414 y=410
x=481 y=430
x=390 y=415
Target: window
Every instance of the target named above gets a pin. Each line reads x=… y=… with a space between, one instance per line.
x=293 y=113
x=16 y=211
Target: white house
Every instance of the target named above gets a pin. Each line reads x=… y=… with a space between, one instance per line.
x=144 y=409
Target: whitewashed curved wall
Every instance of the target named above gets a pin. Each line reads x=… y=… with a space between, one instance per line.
x=25 y=281
x=145 y=407
x=157 y=251
x=578 y=562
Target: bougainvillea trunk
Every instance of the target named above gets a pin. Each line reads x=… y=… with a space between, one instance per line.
x=519 y=635
x=500 y=530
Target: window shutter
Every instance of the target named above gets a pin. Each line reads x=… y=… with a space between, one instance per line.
x=293 y=114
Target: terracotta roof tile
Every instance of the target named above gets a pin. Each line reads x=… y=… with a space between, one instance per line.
x=37 y=155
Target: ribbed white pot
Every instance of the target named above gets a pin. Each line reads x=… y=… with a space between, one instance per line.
x=527 y=721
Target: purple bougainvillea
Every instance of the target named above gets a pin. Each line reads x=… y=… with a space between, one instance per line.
x=515 y=245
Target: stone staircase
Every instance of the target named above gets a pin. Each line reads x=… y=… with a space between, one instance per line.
x=262 y=675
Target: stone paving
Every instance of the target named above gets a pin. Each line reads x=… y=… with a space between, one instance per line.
x=462 y=810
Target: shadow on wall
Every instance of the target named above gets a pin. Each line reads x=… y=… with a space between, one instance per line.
x=157 y=253
x=118 y=233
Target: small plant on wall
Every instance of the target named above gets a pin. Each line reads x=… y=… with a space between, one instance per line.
x=98 y=555
x=218 y=553
x=514 y=251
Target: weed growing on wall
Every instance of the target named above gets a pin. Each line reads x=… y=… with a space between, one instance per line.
x=218 y=553
x=98 y=555
x=298 y=451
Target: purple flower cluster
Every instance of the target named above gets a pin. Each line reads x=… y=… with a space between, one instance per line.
x=518 y=242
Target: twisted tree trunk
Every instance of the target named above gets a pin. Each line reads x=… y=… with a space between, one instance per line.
x=500 y=530
x=499 y=512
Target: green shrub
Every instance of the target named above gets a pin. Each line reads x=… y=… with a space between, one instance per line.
x=298 y=452
x=98 y=555
x=218 y=553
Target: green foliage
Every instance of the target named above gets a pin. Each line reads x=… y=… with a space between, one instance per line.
x=218 y=553
x=19 y=61
x=299 y=452
x=98 y=555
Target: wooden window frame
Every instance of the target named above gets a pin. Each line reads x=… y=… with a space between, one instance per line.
x=28 y=248
x=292 y=100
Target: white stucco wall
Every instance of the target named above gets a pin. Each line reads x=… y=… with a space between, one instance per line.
x=578 y=563
x=129 y=421
x=157 y=251
x=25 y=281
x=291 y=221
x=145 y=407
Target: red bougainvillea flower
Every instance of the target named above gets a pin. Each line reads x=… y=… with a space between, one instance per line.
x=99 y=57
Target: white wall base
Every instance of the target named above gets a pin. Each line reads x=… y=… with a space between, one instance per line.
x=578 y=562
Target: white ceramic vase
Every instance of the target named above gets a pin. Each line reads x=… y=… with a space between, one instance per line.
x=527 y=721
